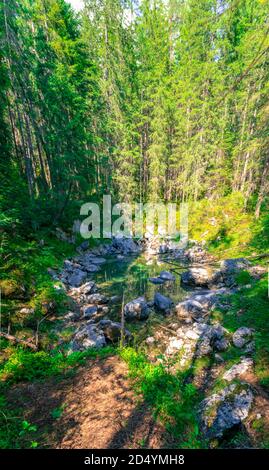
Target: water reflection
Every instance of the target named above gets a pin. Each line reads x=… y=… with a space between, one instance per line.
x=131 y=277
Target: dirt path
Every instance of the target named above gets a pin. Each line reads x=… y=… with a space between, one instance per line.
x=98 y=409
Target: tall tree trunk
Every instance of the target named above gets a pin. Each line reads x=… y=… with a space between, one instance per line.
x=264 y=189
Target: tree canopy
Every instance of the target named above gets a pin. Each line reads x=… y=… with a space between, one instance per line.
x=150 y=100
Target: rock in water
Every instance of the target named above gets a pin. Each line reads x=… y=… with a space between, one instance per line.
x=156 y=280
x=162 y=303
x=201 y=277
x=226 y=409
x=112 y=331
x=92 y=268
x=166 y=276
x=91 y=262
x=136 y=309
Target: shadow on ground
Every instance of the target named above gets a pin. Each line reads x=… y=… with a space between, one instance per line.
x=95 y=408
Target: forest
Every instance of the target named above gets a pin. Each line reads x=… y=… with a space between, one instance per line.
x=146 y=101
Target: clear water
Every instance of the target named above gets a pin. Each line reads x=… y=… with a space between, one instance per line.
x=130 y=278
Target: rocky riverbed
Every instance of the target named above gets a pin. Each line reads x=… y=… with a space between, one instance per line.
x=164 y=296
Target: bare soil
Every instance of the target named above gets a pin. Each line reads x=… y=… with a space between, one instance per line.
x=98 y=409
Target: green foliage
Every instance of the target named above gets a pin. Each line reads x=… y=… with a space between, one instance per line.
x=243 y=278
x=250 y=308
x=171 y=105
x=150 y=108
x=15 y=432
x=223 y=224
x=171 y=399
x=57 y=412
x=23 y=365
x=25 y=281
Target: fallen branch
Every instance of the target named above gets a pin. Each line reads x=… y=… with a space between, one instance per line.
x=160 y=325
x=13 y=339
x=263 y=255
x=189 y=265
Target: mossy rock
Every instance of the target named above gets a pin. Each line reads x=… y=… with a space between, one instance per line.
x=11 y=289
x=226 y=409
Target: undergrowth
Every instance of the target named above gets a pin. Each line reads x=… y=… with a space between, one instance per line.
x=171 y=399
x=227 y=228
x=25 y=365
x=250 y=308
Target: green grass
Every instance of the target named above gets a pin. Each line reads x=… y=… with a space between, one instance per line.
x=171 y=399
x=250 y=308
x=24 y=365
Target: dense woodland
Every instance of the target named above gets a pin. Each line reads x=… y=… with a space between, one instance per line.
x=146 y=100
x=161 y=100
